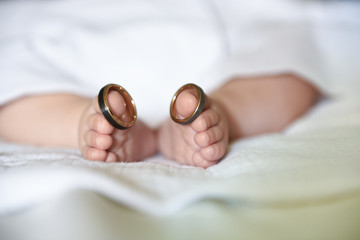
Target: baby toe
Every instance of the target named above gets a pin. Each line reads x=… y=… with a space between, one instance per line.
x=206 y=138
x=214 y=152
x=207 y=119
x=97 y=140
x=98 y=123
x=118 y=106
x=199 y=161
x=185 y=104
x=94 y=154
x=111 y=157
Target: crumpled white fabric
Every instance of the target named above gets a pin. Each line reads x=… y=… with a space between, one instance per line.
x=316 y=160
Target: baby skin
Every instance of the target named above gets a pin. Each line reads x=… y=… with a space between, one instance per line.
x=242 y=107
x=201 y=143
x=204 y=142
x=100 y=141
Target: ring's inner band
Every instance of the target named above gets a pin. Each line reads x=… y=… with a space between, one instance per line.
x=192 y=102
x=128 y=118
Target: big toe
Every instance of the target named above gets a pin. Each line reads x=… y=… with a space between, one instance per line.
x=185 y=104
x=118 y=105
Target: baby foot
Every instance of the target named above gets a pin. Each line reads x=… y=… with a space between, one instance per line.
x=100 y=141
x=203 y=142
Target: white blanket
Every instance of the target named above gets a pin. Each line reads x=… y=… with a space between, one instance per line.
x=317 y=159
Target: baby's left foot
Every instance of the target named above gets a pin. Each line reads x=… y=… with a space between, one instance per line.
x=203 y=142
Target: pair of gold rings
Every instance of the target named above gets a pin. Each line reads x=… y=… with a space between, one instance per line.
x=118 y=123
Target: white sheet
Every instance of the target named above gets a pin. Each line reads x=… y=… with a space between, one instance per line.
x=315 y=160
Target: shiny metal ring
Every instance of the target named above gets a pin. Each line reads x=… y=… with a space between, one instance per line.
x=198 y=110
x=106 y=110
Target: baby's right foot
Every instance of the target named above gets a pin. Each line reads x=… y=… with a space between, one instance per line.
x=203 y=142
x=100 y=141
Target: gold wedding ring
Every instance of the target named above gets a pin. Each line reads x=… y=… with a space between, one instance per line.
x=199 y=108
x=109 y=114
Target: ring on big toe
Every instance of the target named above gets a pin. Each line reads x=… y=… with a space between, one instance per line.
x=109 y=115
x=194 y=89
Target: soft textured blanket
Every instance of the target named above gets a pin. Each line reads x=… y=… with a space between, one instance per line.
x=317 y=159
